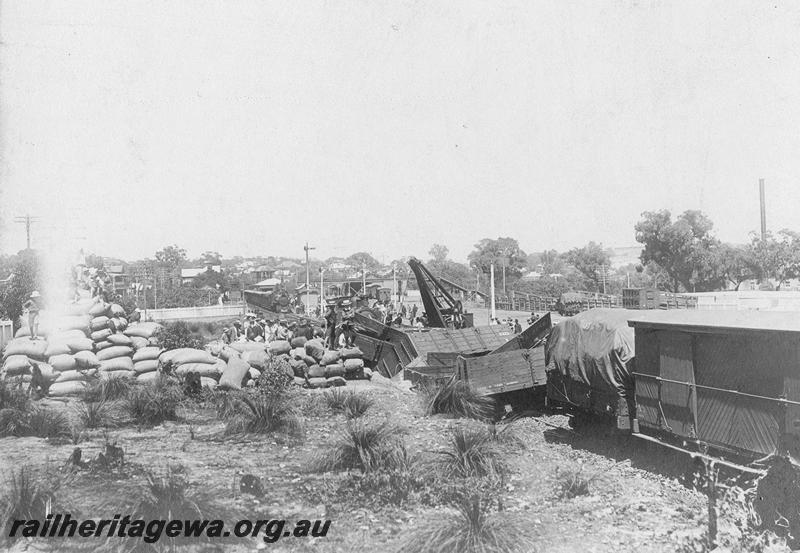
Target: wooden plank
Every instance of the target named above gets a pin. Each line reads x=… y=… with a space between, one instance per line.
x=529 y=337
x=504 y=372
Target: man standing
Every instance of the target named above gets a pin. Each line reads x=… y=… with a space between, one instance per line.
x=414 y=312
x=33 y=305
x=330 y=325
x=348 y=324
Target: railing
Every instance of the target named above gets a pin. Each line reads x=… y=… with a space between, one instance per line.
x=188 y=313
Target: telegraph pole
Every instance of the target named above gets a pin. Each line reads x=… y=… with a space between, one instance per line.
x=308 y=279
x=27 y=220
x=763 y=209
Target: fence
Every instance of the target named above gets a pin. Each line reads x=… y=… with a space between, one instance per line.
x=6 y=333
x=192 y=313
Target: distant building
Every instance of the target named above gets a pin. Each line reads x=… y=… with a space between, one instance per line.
x=188 y=275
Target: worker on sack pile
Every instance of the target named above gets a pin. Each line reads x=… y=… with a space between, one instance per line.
x=282 y=333
x=304 y=330
x=330 y=325
x=348 y=325
x=292 y=328
x=33 y=305
x=135 y=316
x=225 y=337
x=254 y=332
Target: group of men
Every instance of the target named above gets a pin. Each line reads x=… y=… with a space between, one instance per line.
x=266 y=330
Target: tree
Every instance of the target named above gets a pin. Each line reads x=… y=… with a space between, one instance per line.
x=734 y=264
x=171 y=256
x=773 y=258
x=683 y=248
x=504 y=253
x=211 y=258
x=592 y=261
x=438 y=253
x=26 y=279
x=362 y=259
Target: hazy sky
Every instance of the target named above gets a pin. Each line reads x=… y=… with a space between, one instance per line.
x=251 y=127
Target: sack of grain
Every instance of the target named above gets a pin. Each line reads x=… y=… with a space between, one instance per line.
x=209 y=383
x=67 y=335
x=297 y=353
x=146 y=354
x=80 y=344
x=255 y=374
x=211 y=370
x=241 y=347
x=86 y=360
x=72 y=376
x=99 y=308
x=75 y=309
x=316 y=349
x=315 y=371
x=308 y=360
x=114 y=351
x=117 y=324
x=120 y=340
x=317 y=383
x=105 y=344
x=257 y=359
x=143 y=330
x=117 y=364
x=99 y=323
x=75 y=322
x=100 y=335
x=353 y=365
x=35 y=349
x=56 y=348
x=228 y=353
x=331 y=357
x=352 y=353
x=63 y=362
x=147 y=376
x=16 y=364
x=145 y=366
x=336 y=381
x=235 y=372
x=299 y=381
x=122 y=373
x=69 y=388
x=367 y=373
x=138 y=342
x=299 y=342
x=337 y=369
x=116 y=310
x=277 y=347
x=187 y=355
x=298 y=367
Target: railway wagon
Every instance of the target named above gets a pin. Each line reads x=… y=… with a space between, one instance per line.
x=725 y=383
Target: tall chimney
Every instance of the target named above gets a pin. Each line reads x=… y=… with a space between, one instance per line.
x=763 y=209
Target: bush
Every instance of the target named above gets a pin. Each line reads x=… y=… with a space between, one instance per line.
x=471 y=527
x=177 y=335
x=364 y=445
x=471 y=453
x=13 y=395
x=96 y=414
x=107 y=389
x=41 y=422
x=153 y=403
x=29 y=494
x=456 y=398
x=351 y=403
x=573 y=482
x=277 y=378
x=259 y=413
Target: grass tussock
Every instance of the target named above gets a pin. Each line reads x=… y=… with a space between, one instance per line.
x=13 y=395
x=471 y=453
x=107 y=389
x=29 y=494
x=35 y=420
x=97 y=414
x=153 y=403
x=364 y=445
x=574 y=482
x=349 y=402
x=470 y=526
x=263 y=414
x=458 y=399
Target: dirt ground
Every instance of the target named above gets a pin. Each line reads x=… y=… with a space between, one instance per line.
x=635 y=502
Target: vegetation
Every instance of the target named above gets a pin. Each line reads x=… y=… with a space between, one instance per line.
x=470 y=453
x=262 y=413
x=154 y=403
x=107 y=389
x=178 y=335
x=349 y=402
x=573 y=482
x=457 y=399
x=29 y=494
x=97 y=414
x=34 y=420
x=364 y=445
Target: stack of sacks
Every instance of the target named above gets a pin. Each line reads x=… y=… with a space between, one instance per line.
x=145 y=362
x=236 y=371
x=116 y=361
x=19 y=353
x=186 y=360
x=73 y=372
x=107 y=322
x=143 y=334
x=258 y=361
x=352 y=360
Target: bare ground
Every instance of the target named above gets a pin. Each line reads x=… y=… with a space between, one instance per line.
x=635 y=502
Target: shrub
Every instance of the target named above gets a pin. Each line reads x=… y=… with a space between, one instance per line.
x=96 y=414
x=29 y=494
x=177 y=335
x=456 y=398
x=262 y=414
x=351 y=403
x=336 y=397
x=42 y=422
x=573 y=482
x=470 y=527
x=276 y=378
x=107 y=389
x=13 y=395
x=470 y=453
x=364 y=445
x=153 y=403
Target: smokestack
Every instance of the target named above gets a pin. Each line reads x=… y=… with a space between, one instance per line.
x=763 y=210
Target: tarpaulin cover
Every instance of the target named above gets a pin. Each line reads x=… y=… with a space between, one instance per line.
x=595 y=347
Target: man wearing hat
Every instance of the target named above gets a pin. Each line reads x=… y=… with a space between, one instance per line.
x=348 y=324
x=330 y=325
x=304 y=330
x=282 y=333
x=33 y=305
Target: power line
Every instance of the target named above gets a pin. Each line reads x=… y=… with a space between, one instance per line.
x=27 y=220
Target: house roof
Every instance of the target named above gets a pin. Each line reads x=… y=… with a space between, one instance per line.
x=702 y=320
x=191 y=273
x=269 y=282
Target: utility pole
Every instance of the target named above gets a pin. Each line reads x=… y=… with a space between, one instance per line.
x=27 y=220
x=308 y=281
x=763 y=209
x=322 y=290
x=493 y=314
x=364 y=278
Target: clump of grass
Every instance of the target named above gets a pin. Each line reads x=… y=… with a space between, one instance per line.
x=13 y=395
x=471 y=453
x=96 y=414
x=457 y=399
x=351 y=403
x=262 y=414
x=107 y=389
x=365 y=445
x=35 y=420
x=573 y=482
x=153 y=403
x=29 y=494
x=470 y=527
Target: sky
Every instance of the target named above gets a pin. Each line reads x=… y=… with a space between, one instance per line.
x=250 y=128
